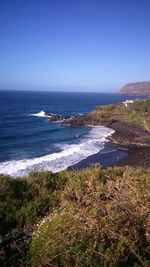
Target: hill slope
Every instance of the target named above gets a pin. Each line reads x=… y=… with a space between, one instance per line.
x=139 y=88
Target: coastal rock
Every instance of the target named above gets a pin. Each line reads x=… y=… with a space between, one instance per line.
x=130 y=122
x=89 y=120
x=129 y=134
x=55 y=117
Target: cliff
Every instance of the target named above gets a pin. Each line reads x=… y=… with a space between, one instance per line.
x=138 y=88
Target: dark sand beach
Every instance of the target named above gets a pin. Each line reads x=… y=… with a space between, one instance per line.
x=105 y=157
x=135 y=157
x=129 y=146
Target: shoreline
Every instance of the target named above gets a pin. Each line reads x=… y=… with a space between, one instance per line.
x=134 y=157
x=125 y=149
x=119 y=150
x=116 y=152
x=108 y=156
x=131 y=133
x=137 y=157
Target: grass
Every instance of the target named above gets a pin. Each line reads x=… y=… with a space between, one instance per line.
x=137 y=112
x=24 y=201
x=102 y=220
x=92 y=217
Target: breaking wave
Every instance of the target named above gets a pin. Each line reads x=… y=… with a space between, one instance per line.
x=69 y=155
x=40 y=114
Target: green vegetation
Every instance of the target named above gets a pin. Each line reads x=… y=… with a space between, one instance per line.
x=141 y=105
x=137 y=112
x=26 y=200
x=102 y=220
x=92 y=217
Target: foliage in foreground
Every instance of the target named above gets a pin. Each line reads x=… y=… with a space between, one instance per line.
x=24 y=201
x=103 y=219
x=94 y=217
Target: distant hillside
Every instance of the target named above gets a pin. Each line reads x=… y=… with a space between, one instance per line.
x=139 y=88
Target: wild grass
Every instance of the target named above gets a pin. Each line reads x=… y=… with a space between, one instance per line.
x=137 y=112
x=24 y=201
x=92 y=217
x=103 y=219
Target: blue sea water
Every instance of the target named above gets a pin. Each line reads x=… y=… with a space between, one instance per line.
x=28 y=141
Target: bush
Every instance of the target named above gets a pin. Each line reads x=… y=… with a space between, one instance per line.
x=26 y=200
x=103 y=220
x=141 y=105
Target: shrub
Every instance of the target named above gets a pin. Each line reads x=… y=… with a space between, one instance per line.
x=26 y=200
x=141 y=105
x=103 y=220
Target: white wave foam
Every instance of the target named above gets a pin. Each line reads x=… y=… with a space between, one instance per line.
x=40 y=114
x=90 y=144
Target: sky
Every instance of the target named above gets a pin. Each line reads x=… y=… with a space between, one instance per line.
x=83 y=45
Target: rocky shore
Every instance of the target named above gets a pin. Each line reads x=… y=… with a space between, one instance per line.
x=56 y=117
x=129 y=119
x=127 y=133
x=131 y=126
x=130 y=135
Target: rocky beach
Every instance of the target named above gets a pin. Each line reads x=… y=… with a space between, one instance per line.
x=130 y=121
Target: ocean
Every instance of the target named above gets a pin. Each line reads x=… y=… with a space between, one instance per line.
x=29 y=142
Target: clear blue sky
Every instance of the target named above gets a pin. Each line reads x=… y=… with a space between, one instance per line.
x=74 y=44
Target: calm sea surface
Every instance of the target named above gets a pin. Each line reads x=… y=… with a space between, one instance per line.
x=28 y=141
